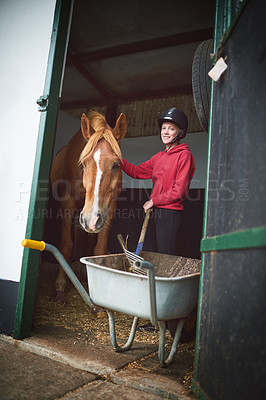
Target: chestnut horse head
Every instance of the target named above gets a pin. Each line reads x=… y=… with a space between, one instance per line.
x=100 y=158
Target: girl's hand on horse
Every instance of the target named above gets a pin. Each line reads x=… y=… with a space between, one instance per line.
x=147 y=205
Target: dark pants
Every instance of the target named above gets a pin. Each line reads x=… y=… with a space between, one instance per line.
x=162 y=232
x=162 y=237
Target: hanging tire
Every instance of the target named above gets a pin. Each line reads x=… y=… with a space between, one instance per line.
x=201 y=82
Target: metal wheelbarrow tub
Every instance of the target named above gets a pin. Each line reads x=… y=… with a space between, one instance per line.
x=157 y=298
x=128 y=293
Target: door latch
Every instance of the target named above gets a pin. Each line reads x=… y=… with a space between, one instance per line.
x=43 y=103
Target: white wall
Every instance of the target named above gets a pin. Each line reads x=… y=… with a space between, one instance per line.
x=25 y=31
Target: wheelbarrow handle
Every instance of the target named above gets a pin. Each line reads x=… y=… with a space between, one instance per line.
x=152 y=289
x=33 y=244
x=36 y=245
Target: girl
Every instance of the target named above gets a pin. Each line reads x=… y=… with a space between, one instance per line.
x=171 y=172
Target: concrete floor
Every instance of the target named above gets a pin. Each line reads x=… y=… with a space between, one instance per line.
x=58 y=363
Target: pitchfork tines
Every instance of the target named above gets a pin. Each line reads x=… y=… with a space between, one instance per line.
x=131 y=257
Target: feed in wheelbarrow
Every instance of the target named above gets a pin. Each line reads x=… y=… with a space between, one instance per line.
x=165 y=265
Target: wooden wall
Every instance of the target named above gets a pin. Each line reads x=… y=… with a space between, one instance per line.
x=142 y=115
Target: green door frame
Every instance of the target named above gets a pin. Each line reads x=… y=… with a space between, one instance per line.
x=49 y=108
x=227 y=15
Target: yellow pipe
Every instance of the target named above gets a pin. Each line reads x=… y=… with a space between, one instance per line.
x=33 y=244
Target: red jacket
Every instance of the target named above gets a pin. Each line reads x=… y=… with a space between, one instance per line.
x=171 y=173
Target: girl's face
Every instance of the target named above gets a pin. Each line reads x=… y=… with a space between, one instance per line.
x=168 y=132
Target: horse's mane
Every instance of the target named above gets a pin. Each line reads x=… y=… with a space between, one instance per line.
x=102 y=131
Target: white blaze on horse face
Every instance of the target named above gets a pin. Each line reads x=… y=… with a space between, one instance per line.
x=95 y=206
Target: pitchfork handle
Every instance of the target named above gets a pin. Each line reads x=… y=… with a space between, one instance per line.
x=121 y=241
x=143 y=231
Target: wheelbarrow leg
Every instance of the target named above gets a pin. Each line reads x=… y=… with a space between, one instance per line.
x=161 y=351
x=129 y=342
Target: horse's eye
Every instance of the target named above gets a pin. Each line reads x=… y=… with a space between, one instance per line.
x=115 y=166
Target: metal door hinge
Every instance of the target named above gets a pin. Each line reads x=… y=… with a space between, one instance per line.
x=43 y=103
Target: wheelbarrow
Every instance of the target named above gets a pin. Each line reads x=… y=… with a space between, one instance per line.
x=155 y=296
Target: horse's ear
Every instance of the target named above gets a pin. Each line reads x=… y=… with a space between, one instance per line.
x=120 y=127
x=85 y=127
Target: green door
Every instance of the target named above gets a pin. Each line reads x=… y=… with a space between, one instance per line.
x=48 y=107
x=230 y=355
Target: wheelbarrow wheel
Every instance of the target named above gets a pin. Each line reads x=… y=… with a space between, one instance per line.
x=98 y=312
x=189 y=329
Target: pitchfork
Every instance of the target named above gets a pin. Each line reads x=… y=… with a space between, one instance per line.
x=132 y=257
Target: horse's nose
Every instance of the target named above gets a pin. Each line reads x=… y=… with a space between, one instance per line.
x=92 y=224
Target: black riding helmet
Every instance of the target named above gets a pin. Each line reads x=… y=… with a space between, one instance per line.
x=177 y=117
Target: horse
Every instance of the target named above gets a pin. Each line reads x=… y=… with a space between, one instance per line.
x=86 y=174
